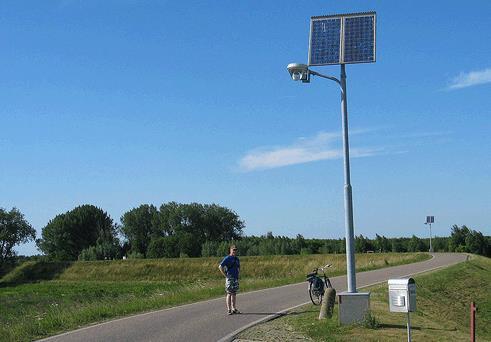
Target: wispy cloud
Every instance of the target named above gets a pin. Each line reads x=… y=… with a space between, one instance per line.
x=469 y=79
x=303 y=150
x=426 y=134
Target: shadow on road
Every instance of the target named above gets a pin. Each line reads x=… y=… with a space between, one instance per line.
x=262 y=313
x=277 y=313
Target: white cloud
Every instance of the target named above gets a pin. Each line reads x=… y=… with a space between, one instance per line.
x=470 y=79
x=426 y=134
x=304 y=150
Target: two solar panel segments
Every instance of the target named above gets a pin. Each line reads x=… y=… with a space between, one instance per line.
x=342 y=39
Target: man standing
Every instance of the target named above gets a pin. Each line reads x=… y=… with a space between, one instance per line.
x=230 y=268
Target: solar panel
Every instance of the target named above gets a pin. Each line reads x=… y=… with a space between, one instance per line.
x=342 y=39
x=325 y=34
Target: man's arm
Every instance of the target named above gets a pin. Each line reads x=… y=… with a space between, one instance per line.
x=220 y=267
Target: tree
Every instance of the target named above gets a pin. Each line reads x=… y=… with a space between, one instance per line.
x=204 y=221
x=476 y=243
x=66 y=235
x=191 y=224
x=170 y=218
x=14 y=230
x=299 y=243
x=139 y=226
x=188 y=245
x=415 y=244
x=362 y=244
x=209 y=249
x=398 y=245
x=440 y=244
x=457 y=238
x=382 y=244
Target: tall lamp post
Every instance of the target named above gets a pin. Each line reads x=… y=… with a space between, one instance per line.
x=339 y=40
x=301 y=72
x=430 y=220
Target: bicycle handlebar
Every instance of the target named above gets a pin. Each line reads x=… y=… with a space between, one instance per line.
x=322 y=268
x=325 y=266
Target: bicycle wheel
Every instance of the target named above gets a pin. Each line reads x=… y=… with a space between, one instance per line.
x=314 y=294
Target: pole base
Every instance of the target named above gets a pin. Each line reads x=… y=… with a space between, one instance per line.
x=353 y=307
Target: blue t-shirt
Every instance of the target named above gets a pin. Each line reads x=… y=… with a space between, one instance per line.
x=231 y=265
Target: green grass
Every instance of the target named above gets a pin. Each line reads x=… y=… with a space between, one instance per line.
x=443 y=306
x=38 y=299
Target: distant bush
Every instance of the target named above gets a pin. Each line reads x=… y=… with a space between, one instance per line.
x=103 y=250
x=209 y=249
x=305 y=251
x=88 y=254
x=163 y=247
x=135 y=255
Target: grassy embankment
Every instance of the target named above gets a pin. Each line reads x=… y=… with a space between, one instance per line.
x=39 y=298
x=443 y=309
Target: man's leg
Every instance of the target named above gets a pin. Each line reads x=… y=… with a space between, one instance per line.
x=229 y=302
x=234 y=300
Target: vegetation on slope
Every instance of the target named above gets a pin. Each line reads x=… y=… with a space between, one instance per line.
x=443 y=311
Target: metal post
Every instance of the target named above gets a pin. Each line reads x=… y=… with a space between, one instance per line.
x=408 y=327
x=473 y=322
x=431 y=248
x=348 y=200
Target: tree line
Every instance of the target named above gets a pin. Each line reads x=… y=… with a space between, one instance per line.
x=192 y=230
x=171 y=230
x=462 y=239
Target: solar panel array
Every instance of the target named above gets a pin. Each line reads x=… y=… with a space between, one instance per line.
x=342 y=39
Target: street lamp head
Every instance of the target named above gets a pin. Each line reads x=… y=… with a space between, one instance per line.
x=299 y=72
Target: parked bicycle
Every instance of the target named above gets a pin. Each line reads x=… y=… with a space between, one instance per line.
x=318 y=284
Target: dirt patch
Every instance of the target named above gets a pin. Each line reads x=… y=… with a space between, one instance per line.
x=271 y=331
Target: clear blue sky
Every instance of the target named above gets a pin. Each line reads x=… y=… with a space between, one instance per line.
x=119 y=103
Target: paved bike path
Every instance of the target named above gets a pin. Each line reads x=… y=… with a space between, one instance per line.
x=207 y=320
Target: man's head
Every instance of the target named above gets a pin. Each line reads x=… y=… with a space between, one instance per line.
x=233 y=250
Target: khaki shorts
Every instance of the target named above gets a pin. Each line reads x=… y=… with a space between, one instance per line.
x=231 y=285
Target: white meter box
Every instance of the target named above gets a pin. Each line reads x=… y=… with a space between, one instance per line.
x=402 y=295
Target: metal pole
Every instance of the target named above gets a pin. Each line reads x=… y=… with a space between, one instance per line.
x=348 y=200
x=408 y=327
x=473 y=322
x=431 y=248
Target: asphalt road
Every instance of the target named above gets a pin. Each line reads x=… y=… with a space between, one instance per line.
x=207 y=321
